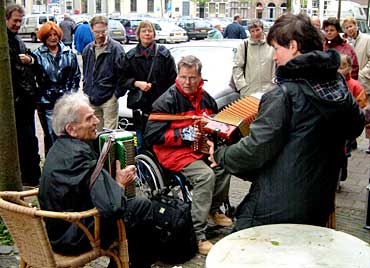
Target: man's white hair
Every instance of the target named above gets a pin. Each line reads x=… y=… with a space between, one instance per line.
x=66 y=110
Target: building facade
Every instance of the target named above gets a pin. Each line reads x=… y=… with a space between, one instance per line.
x=264 y=9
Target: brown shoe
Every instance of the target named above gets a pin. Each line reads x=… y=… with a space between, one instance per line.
x=204 y=246
x=221 y=219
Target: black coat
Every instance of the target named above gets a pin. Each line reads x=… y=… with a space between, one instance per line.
x=23 y=76
x=295 y=147
x=137 y=68
x=64 y=187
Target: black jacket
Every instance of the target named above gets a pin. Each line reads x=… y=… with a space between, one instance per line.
x=295 y=147
x=64 y=186
x=23 y=77
x=103 y=76
x=137 y=68
x=57 y=75
x=235 y=31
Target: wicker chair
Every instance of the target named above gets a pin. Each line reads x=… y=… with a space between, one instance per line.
x=27 y=228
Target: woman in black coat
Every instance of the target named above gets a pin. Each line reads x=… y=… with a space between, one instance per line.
x=149 y=71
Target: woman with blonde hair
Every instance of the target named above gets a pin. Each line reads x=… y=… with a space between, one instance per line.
x=57 y=73
x=149 y=71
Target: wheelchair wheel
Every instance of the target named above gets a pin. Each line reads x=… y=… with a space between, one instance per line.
x=149 y=175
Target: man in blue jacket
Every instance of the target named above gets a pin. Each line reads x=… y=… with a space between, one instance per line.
x=235 y=29
x=83 y=36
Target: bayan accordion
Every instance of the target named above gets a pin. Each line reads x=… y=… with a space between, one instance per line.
x=229 y=125
x=123 y=149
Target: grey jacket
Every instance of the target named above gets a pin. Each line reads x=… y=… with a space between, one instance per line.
x=362 y=48
x=255 y=72
x=296 y=144
x=68 y=26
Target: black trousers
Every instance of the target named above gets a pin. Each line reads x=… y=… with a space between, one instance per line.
x=28 y=148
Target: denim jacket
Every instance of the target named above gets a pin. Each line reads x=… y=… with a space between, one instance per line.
x=58 y=74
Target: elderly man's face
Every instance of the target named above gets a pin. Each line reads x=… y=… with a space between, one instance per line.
x=86 y=129
x=189 y=79
x=14 y=22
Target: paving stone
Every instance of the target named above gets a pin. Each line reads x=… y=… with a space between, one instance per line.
x=4 y=250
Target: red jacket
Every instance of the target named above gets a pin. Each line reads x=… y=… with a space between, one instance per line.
x=165 y=136
x=343 y=47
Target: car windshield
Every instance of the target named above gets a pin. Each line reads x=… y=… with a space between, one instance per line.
x=217 y=63
x=114 y=24
x=135 y=23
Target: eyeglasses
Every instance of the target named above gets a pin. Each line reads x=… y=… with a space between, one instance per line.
x=146 y=31
x=192 y=79
x=100 y=32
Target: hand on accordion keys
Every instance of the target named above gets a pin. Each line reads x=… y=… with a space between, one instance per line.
x=126 y=175
x=190 y=133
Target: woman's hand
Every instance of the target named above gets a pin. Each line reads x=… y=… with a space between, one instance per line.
x=211 y=152
x=144 y=86
x=126 y=175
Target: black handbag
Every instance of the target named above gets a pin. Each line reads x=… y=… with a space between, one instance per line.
x=135 y=98
x=172 y=219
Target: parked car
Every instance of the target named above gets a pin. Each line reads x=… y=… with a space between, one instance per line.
x=117 y=31
x=217 y=57
x=130 y=25
x=196 y=28
x=167 y=32
x=32 y=23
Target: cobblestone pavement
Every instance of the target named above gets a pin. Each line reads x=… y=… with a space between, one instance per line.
x=350 y=210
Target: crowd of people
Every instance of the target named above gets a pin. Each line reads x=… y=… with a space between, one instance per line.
x=314 y=82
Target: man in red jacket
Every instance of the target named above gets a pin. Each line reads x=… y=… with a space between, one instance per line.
x=172 y=140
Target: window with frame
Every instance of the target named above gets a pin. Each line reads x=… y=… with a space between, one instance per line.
x=117 y=5
x=133 y=6
x=150 y=5
x=221 y=9
x=98 y=6
x=211 y=8
x=271 y=11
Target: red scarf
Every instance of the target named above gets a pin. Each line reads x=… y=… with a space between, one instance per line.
x=195 y=97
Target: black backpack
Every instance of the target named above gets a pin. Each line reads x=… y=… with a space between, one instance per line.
x=172 y=219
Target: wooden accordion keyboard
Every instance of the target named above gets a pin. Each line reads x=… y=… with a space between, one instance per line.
x=230 y=124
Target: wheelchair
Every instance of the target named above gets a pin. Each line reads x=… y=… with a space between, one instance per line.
x=153 y=177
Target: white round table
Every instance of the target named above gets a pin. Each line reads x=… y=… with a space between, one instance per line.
x=289 y=245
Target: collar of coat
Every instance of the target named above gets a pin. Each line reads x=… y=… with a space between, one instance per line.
x=195 y=97
x=61 y=48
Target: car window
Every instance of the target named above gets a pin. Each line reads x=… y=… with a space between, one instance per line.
x=32 y=20
x=114 y=24
x=135 y=23
x=42 y=19
x=52 y=18
x=125 y=22
x=157 y=27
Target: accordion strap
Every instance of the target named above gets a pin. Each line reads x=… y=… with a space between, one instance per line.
x=103 y=156
x=171 y=117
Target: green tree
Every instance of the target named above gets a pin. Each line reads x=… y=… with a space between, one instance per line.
x=9 y=162
x=200 y=2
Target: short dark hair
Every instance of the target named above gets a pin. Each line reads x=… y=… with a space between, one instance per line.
x=295 y=27
x=254 y=24
x=11 y=8
x=332 y=21
x=236 y=17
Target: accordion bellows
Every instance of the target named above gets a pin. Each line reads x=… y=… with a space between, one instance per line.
x=237 y=116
